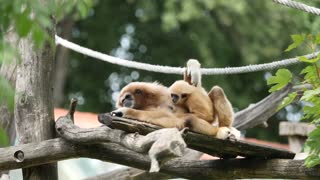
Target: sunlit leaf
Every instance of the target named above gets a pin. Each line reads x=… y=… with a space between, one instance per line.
x=312 y=60
x=23 y=24
x=38 y=35
x=318 y=38
x=280 y=80
x=7 y=93
x=287 y=100
x=297 y=41
x=308 y=94
x=4 y=140
x=312 y=160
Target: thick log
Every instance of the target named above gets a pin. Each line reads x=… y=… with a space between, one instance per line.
x=58 y=149
x=261 y=111
x=203 y=143
x=34 y=99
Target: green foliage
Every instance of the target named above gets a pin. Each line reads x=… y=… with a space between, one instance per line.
x=7 y=93
x=310 y=97
x=281 y=79
x=287 y=100
x=4 y=140
x=297 y=41
x=31 y=18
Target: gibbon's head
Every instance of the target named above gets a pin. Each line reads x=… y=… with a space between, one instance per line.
x=142 y=95
x=180 y=91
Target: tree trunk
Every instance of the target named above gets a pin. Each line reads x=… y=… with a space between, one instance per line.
x=62 y=59
x=8 y=72
x=33 y=101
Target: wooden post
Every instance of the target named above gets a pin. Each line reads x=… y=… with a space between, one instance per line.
x=33 y=100
x=297 y=133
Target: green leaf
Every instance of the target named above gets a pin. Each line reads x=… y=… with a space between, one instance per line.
x=23 y=24
x=281 y=79
x=309 y=94
x=312 y=145
x=312 y=160
x=39 y=36
x=7 y=93
x=305 y=59
x=318 y=38
x=297 y=41
x=83 y=9
x=287 y=100
x=4 y=140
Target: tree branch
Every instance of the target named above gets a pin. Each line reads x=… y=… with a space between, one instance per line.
x=58 y=149
x=261 y=111
x=203 y=143
x=161 y=145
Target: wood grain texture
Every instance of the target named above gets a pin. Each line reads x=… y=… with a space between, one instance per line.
x=203 y=143
x=261 y=111
x=33 y=115
x=160 y=145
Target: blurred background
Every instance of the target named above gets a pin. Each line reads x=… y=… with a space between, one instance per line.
x=218 y=33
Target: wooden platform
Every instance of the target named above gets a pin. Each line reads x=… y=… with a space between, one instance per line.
x=204 y=143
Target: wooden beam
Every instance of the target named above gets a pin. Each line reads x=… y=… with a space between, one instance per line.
x=295 y=129
x=49 y=151
x=203 y=143
x=260 y=112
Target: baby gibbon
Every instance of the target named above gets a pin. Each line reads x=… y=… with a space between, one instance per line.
x=188 y=96
x=151 y=102
x=191 y=99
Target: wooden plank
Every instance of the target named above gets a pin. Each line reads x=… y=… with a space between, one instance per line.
x=295 y=129
x=203 y=143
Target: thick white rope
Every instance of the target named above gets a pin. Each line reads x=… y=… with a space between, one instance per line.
x=177 y=70
x=298 y=5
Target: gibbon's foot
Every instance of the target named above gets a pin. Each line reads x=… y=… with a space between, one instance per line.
x=235 y=134
x=228 y=133
x=223 y=133
x=119 y=112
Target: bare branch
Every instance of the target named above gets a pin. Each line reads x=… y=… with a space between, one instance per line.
x=201 y=142
x=58 y=149
x=260 y=112
x=161 y=145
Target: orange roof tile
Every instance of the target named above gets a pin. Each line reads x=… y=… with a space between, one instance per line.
x=81 y=119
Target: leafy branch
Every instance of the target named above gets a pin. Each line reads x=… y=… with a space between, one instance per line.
x=310 y=97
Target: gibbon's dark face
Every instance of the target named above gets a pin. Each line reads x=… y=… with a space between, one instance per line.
x=178 y=99
x=130 y=98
